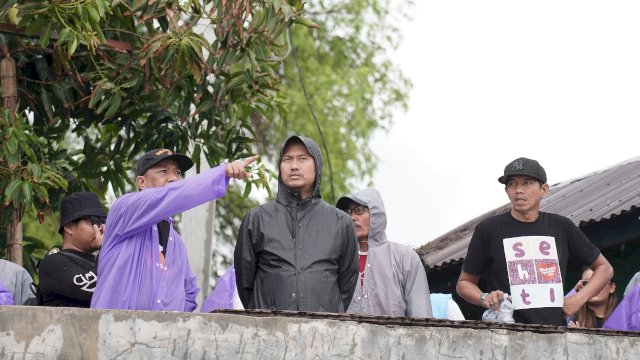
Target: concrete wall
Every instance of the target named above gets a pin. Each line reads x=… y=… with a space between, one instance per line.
x=51 y=333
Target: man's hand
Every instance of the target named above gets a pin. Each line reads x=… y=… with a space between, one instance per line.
x=493 y=300
x=237 y=169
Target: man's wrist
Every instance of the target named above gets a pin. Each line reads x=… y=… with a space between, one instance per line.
x=482 y=297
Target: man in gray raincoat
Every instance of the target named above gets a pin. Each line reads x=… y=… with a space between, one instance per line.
x=297 y=252
x=392 y=280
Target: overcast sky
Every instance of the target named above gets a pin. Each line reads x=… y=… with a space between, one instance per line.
x=556 y=81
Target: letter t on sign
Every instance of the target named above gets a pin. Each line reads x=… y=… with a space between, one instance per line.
x=524 y=295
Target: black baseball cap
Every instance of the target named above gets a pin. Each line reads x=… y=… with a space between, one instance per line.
x=79 y=205
x=344 y=202
x=523 y=167
x=155 y=156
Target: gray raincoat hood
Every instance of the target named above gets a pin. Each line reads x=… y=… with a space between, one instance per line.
x=286 y=195
x=377 y=214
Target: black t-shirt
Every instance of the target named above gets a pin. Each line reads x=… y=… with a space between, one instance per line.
x=486 y=255
x=68 y=278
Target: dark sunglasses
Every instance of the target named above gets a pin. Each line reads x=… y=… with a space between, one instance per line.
x=358 y=210
x=95 y=220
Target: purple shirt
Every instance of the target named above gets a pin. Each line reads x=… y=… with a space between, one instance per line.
x=626 y=316
x=130 y=273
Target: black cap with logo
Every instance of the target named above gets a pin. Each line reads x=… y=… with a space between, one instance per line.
x=523 y=167
x=155 y=156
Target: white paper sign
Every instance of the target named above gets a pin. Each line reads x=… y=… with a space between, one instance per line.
x=534 y=272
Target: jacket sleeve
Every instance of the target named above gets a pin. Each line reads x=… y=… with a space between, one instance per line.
x=23 y=287
x=5 y=295
x=348 y=268
x=244 y=259
x=191 y=291
x=61 y=276
x=416 y=287
x=139 y=210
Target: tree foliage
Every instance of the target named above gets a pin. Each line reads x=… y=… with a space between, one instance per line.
x=351 y=85
x=343 y=73
x=103 y=81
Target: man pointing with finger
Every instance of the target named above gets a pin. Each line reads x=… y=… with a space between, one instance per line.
x=143 y=263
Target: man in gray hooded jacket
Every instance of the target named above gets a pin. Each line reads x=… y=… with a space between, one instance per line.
x=297 y=252
x=392 y=281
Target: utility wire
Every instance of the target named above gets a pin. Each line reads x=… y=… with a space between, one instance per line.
x=313 y=114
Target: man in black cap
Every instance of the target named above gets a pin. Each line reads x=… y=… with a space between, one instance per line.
x=143 y=261
x=68 y=278
x=524 y=253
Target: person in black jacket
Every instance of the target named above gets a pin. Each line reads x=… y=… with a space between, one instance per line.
x=68 y=278
x=297 y=252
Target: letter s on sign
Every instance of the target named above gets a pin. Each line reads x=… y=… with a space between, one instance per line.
x=517 y=247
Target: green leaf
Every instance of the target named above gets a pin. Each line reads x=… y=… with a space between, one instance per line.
x=247 y=190
x=93 y=13
x=8 y=192
x=115 y=105
x=306 y=22
x=96 y=96
x=27 y=192
x=73 y=46
x=36 y=171
x=64 y=35
x=12 y=145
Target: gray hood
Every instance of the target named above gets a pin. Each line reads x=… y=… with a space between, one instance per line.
x=377 y=214
x=286 y=195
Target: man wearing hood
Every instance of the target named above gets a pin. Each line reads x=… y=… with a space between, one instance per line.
x=392 y=281
x=297 y=252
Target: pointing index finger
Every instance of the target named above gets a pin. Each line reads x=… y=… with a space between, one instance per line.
x=249 y=160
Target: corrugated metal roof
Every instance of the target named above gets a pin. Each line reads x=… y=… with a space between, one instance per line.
x=591 y=198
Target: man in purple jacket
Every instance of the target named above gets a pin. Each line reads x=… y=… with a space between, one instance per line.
x=143 y=262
